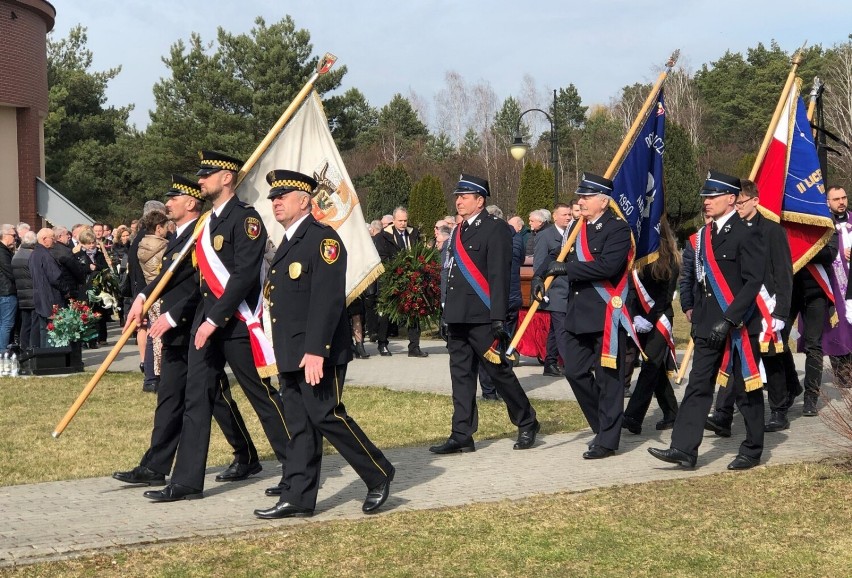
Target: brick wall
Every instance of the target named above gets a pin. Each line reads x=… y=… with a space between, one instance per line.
x=24 y=25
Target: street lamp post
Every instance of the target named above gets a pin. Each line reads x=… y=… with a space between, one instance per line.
x=519 y=148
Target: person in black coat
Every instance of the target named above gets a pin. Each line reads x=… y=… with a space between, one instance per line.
x=725 y=326
x=74 y=271
x=778 y=282
x=8 y=293
x=179 y=300
x=595 y=368
x=232 y=243
x=29 y=336
x=49 y=289
x=475 y=311
x=396 y=237
x=655 y=329
x=94 y=261
x=307 y=294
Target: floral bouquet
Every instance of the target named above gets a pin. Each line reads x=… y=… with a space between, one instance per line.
x=77 y=322
x=410 y=287
x=104 y=290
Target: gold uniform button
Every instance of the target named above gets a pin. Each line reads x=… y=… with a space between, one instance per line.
x=328 y=346
x=272 y=287
x=273 y=271
x=205 y=294
x=274 y=320
x=226 y=319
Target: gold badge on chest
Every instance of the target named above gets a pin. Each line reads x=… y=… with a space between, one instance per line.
x=218 y=241
x=295 y=270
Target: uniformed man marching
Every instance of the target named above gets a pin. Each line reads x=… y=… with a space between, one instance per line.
x=475 y=309
x=596 y=267
x=310 y=329
x=227 y=327
x=730 y=267
x=178 y=303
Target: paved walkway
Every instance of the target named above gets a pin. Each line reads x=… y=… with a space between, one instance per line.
x=78 y=521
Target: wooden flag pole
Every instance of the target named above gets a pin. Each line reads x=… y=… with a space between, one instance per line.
x=610 y=171
x=324 y=65
x=690 y=347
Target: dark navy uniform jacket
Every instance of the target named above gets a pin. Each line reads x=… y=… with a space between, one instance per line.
x=180 y=298
x=488 y=242
x=608 y=240
x=779 y=263
x=307 y=294
x=240 y=236
x=741 y=256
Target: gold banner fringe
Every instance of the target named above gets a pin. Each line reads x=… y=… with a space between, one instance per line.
x=816 y=248
x=362 y=286
x=802 y=219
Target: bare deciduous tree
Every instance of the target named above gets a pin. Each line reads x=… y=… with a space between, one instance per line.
x=838 y=106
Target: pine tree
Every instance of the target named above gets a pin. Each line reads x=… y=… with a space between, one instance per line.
x=536 y=190
x=427 y=204
x=388 y=187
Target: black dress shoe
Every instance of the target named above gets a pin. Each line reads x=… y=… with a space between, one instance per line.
x=674 y=456
x=416 y=352
x=384 y=351
x=526 y=438
x=360 y=352
x=173 y=493
x=378 y=495
x=597 y=452
x=742 y=462
x=237 y=472
x=274 y=491
x=451 y=446
x=490 y=397
x=718 y=424
x=809 y=408
x=777 y=421
x=552 y=370
x=141 y=475
x=631 y=424
x=284 y=510
x=665 y=423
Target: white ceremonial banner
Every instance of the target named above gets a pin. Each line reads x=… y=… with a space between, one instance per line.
x=306 y=145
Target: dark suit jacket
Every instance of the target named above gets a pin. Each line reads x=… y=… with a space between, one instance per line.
x=181 y=296
x=779 y=263
x=741 y=256
x=48 y=288
x=307 y=301
x=242 y=256
x=74 y=271
x=661 y=291
x=389 y=242
x=609 y=242
x=488 y=242
x=548 y=244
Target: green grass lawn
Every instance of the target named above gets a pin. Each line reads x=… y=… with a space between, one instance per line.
x=772 y=521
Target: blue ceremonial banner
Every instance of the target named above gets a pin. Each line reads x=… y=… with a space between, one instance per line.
x=804 y=190
x=639 y=183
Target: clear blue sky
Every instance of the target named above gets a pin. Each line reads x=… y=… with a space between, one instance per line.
x=391 y=47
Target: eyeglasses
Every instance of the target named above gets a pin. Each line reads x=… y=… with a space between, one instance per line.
x=743 y=202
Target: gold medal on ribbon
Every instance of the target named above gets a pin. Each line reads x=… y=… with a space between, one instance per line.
x=218 y=240
x=295 y=270
x=616 y=302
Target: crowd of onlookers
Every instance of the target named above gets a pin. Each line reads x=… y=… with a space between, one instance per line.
x=102 y=266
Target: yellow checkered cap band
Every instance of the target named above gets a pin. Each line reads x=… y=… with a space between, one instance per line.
x=187 y=190
x=290 y=184
x=224 y=165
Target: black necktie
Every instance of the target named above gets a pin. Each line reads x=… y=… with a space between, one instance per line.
x=713 y=230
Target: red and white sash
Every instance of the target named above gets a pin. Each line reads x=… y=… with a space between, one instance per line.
x=820 y=275
x=663 y=324
x=217 y=275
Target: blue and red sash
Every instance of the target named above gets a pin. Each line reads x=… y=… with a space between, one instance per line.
x=468 y=269
x=614 y=297
x=820 y=275
x=738 y=338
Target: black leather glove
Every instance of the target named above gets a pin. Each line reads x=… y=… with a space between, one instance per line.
x=719 y=334
x=537 y=289
x=498 y=332
x=556 y=268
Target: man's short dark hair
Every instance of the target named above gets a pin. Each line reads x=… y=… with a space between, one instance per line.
x=749 y=189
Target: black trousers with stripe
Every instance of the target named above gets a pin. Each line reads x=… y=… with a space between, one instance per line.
x=316 y=412
x=204 y=367
x=168 y=417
